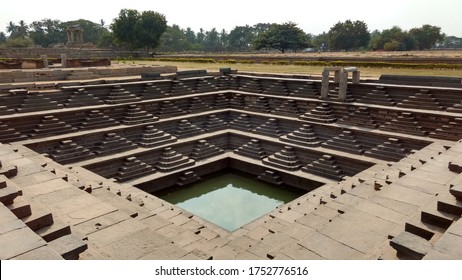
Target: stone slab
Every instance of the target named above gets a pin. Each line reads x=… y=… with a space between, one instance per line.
x=11 y=226
x=450 y=244
x=298 y=252
x=329 y=248
x=135 y=246
x=410 y=245
x=19 y=241
x=68 y=246
x=354 y=234
x=99 y=223
x=42 y=253
x=115 y=232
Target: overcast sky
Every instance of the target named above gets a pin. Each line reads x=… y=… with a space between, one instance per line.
x=312 y=16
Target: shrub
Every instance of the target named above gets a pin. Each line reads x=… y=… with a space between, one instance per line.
x=247 y=61
x=281 y=62
x=230 y=61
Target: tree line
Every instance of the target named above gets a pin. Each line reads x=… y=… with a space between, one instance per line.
x=149 y=30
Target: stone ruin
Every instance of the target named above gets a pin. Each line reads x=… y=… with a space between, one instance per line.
x=380 y=164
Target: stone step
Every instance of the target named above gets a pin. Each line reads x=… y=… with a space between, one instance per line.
x=8 y=194
x=450 y=205
x=54 y=231
x=40 y=218
x=424 y=230
x=20 y=208
x=68 y=246
x=437 y=218
x=410 y=246
x=456 y=191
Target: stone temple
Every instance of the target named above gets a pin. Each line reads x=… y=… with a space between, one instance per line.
x=379 y=160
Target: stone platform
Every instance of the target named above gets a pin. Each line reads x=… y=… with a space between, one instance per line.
x=383 y=178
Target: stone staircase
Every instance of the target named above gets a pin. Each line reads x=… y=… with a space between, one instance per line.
x=422 y=234
x=36 y=233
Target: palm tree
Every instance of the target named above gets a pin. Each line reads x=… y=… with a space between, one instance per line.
x=2 y=37
x=11 y=28
x=23 y=29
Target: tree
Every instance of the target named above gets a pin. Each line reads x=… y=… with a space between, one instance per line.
x=349 y=36
x=137 y=30
x=394 y=39
x=148 y=29
x=260 y=28
x=286 y=36
x=190 y=35
x=224 y=40
x=451 y=42
x=427 y=36
x=240 y=38
x=212 y=41
x=174 y=40
x=17 y=31
x=47 y=32
x=11 y=28
x=2 y=37
x=123 y=27
x=321 y=42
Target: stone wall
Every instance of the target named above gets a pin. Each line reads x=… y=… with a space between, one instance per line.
x=57 y=74
x=70 y=52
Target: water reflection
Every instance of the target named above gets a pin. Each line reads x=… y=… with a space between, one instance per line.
x=230 y=200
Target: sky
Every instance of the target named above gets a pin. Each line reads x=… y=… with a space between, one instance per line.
x=313 y=17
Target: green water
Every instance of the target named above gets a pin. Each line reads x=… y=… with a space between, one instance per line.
x=230 y=200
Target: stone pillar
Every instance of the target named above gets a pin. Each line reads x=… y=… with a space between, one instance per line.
x=81 y=36
x=325 y=84
x=337 y=76
x=68 y=36
x=343 y=86
x=45 y=60
x=355 y=78
x=63 y=60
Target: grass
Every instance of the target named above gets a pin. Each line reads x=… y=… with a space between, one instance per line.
x=294 y=69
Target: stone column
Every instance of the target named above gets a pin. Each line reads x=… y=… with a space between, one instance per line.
x=63 y=60
x=68 y=36
x=343 y=86
x=81 y=36
x=355 y=78
x=45 y=60
x=337 y=76
x=325 y=84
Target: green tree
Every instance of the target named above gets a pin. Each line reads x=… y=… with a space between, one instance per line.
x=135 y=30
x=321 y=42
x=11 y=28
x=47 y=32
x=393 y=39
x=200 y=37
x=451 y=42
x=148 y=30
x=427 y=36
x=174 y=40
x=283 y=37
x=240 y=38
x=123 y=27
x=260 y=28
x=349 y=36
x=212 y=41
x=20 y=30
x=190 y=35
x=224 y=40
x=2 y=37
